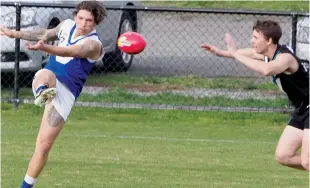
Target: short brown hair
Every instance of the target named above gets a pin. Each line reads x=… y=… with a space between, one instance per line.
x=270 y=29
x=96 y=8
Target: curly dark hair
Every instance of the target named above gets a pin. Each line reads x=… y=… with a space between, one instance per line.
x=95 y=7
x=270 y=29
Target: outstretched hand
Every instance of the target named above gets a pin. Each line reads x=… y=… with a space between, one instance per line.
x=231 y=44
x=7 y=32
x=231 y=48
x=38 y=46
x=210 y=48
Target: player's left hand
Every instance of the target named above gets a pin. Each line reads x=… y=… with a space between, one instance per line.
x=38 y=46
x=231 y=44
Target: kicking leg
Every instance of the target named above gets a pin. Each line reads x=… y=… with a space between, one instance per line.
x=51 y=125
x=286 y=151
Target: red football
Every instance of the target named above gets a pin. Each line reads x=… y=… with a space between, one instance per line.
x=131 y=42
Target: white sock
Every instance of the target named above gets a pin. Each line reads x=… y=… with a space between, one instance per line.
x=30 y=180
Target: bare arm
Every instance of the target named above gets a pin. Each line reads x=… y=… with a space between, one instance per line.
x=281 y=64
x=36 y=35
x=249 y=52
x=89 y=49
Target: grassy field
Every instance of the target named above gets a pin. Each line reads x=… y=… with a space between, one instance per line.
x=139 y=148
x=121 y=148
x=120 y=95
x=175 y=82
x=300 y=6
x=180 y=82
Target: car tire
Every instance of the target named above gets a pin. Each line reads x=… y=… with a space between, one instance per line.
x=119 y=61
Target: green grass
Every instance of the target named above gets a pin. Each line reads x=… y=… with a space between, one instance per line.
x=189 y=81
x=23 y=93
x=300 y=6
x=120 y=95
x=123 y=148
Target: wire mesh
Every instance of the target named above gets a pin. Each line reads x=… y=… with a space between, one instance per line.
x=173 y=72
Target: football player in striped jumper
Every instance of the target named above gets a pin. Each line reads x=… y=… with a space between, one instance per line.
x=60 y=82
x=290 y=74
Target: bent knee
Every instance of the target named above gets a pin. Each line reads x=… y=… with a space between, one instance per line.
x=46 y=76
x=45 y=73
x=282 y=158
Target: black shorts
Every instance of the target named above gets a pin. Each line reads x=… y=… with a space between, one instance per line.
x=300 y=118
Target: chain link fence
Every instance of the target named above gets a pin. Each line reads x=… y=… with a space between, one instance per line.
x=173 y=72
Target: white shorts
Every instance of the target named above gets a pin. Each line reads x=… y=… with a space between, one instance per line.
x=64 y=100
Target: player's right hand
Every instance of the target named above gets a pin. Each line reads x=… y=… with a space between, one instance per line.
x=7 y=32
x=38 y=46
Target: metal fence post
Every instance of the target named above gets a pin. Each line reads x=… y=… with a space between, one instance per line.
x=17 y=57
x=294 y=30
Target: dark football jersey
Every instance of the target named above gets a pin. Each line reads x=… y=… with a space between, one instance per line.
x=295 y=85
